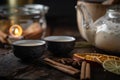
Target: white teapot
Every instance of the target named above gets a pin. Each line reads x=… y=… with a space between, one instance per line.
x=104 y=33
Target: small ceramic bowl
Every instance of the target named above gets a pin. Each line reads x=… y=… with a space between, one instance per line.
x=28 y=50
x=60 y=45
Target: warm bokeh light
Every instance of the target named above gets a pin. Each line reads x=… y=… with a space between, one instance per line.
x=15 y=31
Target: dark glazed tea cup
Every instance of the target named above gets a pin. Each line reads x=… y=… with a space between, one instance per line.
x=60 y=45
x=28 y=50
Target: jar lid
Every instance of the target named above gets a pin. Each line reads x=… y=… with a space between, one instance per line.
x=35 y=9
x=29 y=9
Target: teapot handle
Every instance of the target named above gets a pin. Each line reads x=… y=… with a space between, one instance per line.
x=86 y=17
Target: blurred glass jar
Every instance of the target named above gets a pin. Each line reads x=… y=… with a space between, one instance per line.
x=26 y=16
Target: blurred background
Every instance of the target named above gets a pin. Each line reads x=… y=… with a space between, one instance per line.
x=60 y=12
x=61 y=16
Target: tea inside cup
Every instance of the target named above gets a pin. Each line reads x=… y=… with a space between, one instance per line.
x=28 y=50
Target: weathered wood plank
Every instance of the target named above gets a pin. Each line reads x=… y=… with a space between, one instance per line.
x=10 y=66
x=9 y=63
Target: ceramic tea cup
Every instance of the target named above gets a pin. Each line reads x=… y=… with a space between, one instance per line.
x=28 y=50
x=60 y=45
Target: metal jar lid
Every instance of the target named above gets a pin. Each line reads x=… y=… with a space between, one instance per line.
x=29 y=9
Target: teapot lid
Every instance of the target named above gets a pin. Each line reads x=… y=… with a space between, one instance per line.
x=93 y=1
x=114 y=8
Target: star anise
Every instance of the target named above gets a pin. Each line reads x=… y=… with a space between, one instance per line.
x=69 y=61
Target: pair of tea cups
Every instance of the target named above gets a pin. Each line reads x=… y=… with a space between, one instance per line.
x=32 y=49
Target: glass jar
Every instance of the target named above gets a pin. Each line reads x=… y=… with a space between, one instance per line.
x=29 y=17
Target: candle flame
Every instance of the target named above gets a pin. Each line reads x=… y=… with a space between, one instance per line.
x=15 y=31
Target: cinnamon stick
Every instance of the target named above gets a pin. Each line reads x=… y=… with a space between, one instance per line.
x=65 y=68
x=83 y=68
x=87 y=71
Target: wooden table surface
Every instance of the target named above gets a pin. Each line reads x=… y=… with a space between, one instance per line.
x=13 y=68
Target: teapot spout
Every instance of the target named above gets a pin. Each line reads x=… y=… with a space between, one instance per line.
x=85 y=23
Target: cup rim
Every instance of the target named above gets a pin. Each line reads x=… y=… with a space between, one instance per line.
x=29 y=43
x=59 y=38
